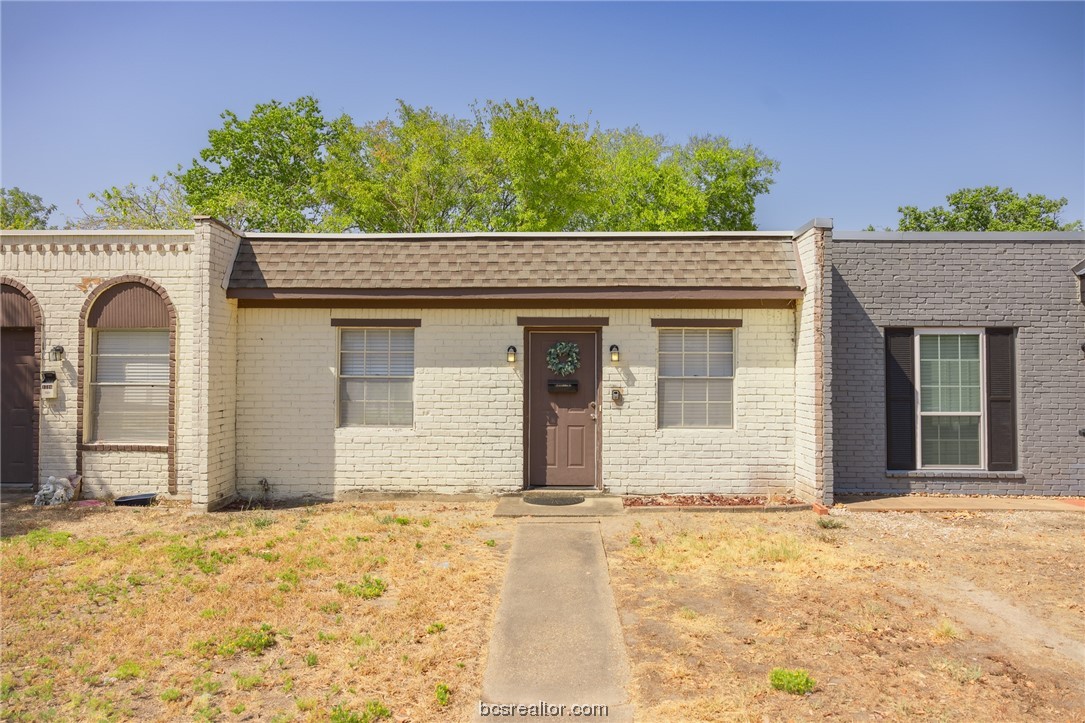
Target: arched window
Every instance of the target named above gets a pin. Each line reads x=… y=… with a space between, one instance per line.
x=128 y=349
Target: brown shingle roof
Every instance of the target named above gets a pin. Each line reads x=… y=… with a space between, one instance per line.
x=458 y=263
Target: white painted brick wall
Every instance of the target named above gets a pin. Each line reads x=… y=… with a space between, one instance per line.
x=468 y=425
x=60 y=269
x=813 y=480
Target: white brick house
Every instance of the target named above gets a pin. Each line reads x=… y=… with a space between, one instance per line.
x=210 y=365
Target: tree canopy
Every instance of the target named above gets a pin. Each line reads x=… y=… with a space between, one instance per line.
x=161 y=204
x=988 y=208
x=23 y=211
x=259 y=173
x=511 y=166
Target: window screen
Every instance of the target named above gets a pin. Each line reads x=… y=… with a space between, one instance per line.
x=950 y=405
x=376 y=377
x=130 y=386
x=696 y=377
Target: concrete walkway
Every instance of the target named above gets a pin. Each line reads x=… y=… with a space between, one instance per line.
x=557 y=639
x=910 y=503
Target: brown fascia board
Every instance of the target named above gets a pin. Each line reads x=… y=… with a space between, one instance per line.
x=529 y=294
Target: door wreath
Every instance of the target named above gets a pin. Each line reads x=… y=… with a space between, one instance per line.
x=563 y=358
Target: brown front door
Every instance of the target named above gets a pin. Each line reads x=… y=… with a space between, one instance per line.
x=18 y=375
x=562 y=411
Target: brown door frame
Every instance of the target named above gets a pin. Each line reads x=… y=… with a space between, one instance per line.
x=526 y=462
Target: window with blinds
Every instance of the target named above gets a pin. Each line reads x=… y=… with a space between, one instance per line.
x=129 y=389
x=376 y=377
x=696 y=377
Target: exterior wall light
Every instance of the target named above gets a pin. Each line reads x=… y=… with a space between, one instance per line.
x=510 y=354
x=615 y=356
x=56 y=353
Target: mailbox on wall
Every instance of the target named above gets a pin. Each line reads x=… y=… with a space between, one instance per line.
x=49 y=385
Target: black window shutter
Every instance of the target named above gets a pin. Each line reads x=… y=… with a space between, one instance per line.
x=899 y=399
x=1001 y=401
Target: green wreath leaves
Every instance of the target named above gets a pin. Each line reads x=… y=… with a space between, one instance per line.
x=563 y=358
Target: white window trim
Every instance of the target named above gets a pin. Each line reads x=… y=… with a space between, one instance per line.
x=919 y=413
x=734 y=377
x=339 y=376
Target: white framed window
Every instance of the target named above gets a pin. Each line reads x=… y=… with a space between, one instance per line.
x=696 y=377
x=376 y=377
x=950 y=398
x=129 y=386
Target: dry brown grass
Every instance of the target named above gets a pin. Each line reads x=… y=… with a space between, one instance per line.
x=711 y=603
x=146 y=614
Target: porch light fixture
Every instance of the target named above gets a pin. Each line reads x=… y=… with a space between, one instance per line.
x=614 y=354
x=56 y=353
x=510 y=354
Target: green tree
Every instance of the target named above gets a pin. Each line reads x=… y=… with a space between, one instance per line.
x=511 y=166
x=988 y=208
x=161 y=204
x=705 y=184
x=409 y=174
x=260 y=173
x=23 y=211
x=535 y=172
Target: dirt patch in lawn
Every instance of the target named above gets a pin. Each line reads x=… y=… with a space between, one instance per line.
x=953 y=616
x=380 y=610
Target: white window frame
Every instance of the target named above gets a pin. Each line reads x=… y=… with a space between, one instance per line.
x=91 y=425
x=733 y=377
x=339 y=377
x=919 y=413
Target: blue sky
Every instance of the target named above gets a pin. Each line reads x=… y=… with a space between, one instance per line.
x=867 y=106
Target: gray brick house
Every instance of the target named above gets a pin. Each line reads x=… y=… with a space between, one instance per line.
x=958 y=363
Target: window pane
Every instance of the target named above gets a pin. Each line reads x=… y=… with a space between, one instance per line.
x=950 y=441
x=670 y=365
x=670 y=340
x=400 y=390
x=670 y=415
x=928 y=346
x=720 y=341
x=401 y=364
x=696 y=340
x=719 y=415
x=401 y=340
x=694 y=414
x=376 y=365
x=949 y=346
x=352 y=364
x=383 y=361
x=401 y=414
x=696 y=365
x=130 y=414
x=133 y=341
x=721 y=365
x=352 y=340
x=376 y=340
x=695 y=371
x=970 y=346
x=670 y=390
x=133 y=369
x=929 y=399
x=719 y=390
x=695 y=390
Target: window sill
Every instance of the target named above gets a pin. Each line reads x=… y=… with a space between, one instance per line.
x=952 y=474
x=119 y=447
